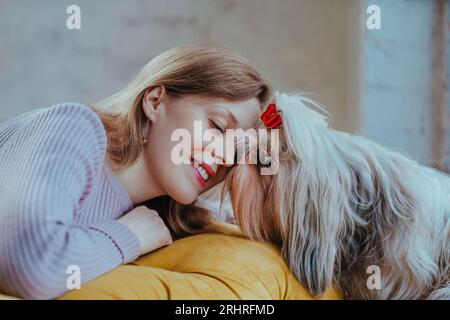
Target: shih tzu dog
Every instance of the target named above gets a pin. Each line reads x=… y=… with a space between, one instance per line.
x=341 y=206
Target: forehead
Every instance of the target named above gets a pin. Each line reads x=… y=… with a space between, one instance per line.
x=245 y=112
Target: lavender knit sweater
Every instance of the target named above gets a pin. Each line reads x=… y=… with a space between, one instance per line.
x=59 y=201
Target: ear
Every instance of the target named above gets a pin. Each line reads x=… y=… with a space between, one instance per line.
x=151 y=101
x=311 y=209
x=310 y=202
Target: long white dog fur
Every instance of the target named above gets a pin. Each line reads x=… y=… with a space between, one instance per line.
x=341 y=203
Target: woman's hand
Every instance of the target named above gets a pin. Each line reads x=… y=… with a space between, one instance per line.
x=148 y=227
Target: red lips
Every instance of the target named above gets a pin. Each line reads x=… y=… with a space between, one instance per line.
x=208 y=169
x=211 y=173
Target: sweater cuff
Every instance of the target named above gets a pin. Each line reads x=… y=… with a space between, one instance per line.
x=126 y=241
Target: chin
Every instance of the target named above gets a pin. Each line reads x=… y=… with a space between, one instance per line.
x=185 y=196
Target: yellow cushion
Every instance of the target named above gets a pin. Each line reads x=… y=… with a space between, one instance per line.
x=5 y=297
x=207 y=266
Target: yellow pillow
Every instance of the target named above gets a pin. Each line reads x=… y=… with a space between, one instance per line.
x=208 y=266
x=5 y=297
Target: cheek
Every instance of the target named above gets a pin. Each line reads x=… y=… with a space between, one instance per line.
x=161 y=144
x=159 y=160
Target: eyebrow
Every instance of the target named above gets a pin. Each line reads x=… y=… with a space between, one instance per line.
x=227 y=111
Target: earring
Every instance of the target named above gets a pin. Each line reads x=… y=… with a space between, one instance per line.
x=144 y=137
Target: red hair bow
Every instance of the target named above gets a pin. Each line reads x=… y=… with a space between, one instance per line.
x=271 y=117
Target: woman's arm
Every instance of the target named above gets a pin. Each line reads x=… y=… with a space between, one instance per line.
x=48 y=168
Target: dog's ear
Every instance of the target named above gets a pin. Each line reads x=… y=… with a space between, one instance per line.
x=312 y=210
x=310 y=207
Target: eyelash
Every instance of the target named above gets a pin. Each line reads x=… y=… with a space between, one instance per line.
x=214 y=125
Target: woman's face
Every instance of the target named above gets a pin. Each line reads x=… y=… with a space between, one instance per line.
x=185 y=182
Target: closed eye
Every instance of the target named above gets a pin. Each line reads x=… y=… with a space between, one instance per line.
x=216 y=126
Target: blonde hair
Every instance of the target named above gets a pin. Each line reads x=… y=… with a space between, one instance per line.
x=201 y=70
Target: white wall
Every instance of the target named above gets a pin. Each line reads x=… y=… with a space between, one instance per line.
x=397 y=78
x=375 y=82
x=299 y=45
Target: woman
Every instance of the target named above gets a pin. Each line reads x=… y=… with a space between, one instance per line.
x=73 y=178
